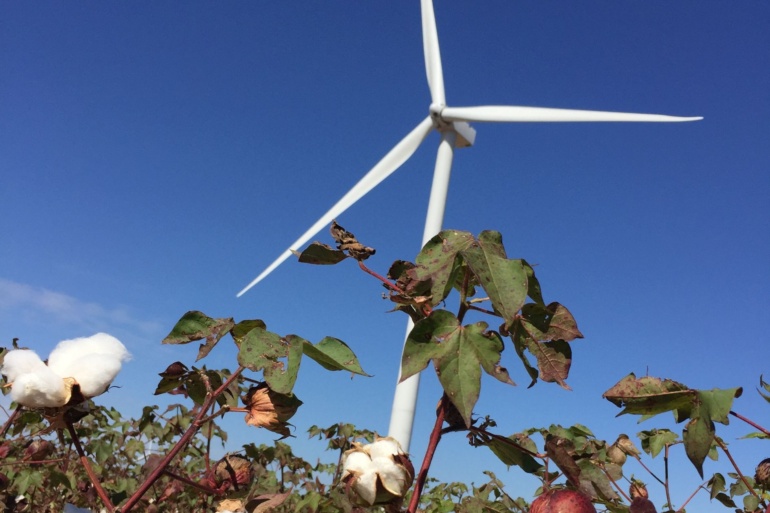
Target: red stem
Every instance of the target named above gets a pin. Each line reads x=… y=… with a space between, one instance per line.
x=384 y=280
x=90 y=471
x=186 y=437
x=750 y=423
x=435 y=436
x=11 y=420
x=192 y=483
x=735 y=466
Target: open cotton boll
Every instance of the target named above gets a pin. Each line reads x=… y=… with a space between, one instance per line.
x=92 y=361
x=94 y=373
x=18 y=362
x=66 y=358
x=42 y=388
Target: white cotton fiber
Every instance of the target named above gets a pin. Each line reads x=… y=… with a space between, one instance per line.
x=93 y=362
x=18 y=362
x=66 y=358
x=95 y=372
x=42 y=388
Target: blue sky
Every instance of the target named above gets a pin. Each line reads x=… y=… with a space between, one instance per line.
x=155 y=156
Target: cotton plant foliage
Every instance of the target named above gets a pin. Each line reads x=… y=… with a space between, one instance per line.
x=90 y=362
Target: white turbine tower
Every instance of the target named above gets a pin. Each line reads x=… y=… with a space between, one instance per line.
x=452 y=124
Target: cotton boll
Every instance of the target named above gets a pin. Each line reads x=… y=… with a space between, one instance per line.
x=18 y=362
x=40 y=389
x=94 y=373
x=67 y=358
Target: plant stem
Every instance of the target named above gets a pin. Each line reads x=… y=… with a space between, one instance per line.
x=392 y=286
x=181 y=443
x=666 y=484
x=681 y=508
x=435 y=437
x=506 y=441
x=750 y=423
x=615 y=484
x=11 y=419
x=90 y=471
x=192 y=483
x=735 y=466
x=639 y=459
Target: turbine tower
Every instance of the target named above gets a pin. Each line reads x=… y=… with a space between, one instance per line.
x=452 y=124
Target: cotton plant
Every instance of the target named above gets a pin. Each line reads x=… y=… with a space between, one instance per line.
x=88 y=363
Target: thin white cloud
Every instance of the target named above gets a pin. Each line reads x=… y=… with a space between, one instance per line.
x=32 y=302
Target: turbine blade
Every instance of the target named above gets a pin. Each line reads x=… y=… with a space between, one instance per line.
x=384 y=168
x=432 y=53
x=515 y=114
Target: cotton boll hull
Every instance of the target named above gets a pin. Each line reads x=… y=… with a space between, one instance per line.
x=20 y=361
x=41 y=389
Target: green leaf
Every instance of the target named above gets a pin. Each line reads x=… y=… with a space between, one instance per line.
x=169 y=384
x=196 y=325
x=650 y=396
x=554 y=360
x=750 y=503
x=725 y=500
x=533 y=285
x=554 y=357
x=716 y=485
x=504 y=280
x=26 y=479
x=766 y=386
x=655 y=440
x=321 y=254
x=241 y=329
x=553 y=322
x=436 y=262
x=510 y=454
x=717 y=403
x=698 y=435
x=263 y=350
x=196 y=388
x=457 y=353
x=334 y=355
x=520 y=338
x=594 y=479
x=57 y=478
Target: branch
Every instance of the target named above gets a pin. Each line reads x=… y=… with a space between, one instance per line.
x=192 y=483
x=666 y=485
x=196 y=424
x=90 y=471
x=735 y=466
x=392 y=286
x=750 y=423
x=435 y=437
x=700 y=487
x=615 y=484
x=11 y=419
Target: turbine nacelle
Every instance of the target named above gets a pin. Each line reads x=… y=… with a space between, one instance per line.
x=466 y=134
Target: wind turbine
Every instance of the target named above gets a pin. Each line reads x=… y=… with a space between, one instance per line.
x=452 y=124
